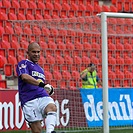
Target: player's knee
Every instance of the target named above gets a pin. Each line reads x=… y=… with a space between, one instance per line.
x=51 y=108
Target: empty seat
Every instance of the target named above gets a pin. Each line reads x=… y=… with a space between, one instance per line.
x=47 y=67
x=41 y=61
x=59 y=59
x=12 y=16
x=12 y=52
x=12 y=60
x=32 y=5
x=41 y=5
x=24 y=44
x=8 y=70
x=48 y=75
x=52 y=45
x=9 y=29
x=15 y=4
x=45 y=31
x=57 y=75
x=3 y=61
x=75 y=75
x=77 y=60
x=30 y=17
x=85 y=60
x=15 y=44
x=5 y=44
x=119 y=60
x=50 y=59
x=68 y=59
x=3 y=84
x=3 y=52
x=112 y=75
x=6 y=3
x=2 y=30
x=66 y=75
x=21 y=16
x=36 y=30
x=24 y=4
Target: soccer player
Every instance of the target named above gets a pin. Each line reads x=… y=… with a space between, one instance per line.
x=34 y=93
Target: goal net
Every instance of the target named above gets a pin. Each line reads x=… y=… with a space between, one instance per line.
x=68 y=46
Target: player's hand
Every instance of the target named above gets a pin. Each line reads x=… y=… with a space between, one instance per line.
x=49 y=88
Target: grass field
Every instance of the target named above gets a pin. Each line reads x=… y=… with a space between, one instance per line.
x=98 y=131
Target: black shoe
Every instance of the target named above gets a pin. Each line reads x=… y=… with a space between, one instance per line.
x=53 y=132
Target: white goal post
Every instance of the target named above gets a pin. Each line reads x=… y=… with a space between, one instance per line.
x=104 y=16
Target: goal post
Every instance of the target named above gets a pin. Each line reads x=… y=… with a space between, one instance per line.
x=104 y=16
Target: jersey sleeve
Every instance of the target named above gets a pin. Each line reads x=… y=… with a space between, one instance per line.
x=22 y=68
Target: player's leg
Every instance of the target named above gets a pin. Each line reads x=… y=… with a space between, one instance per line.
x=36 y=127
x=49 y=110
x=50 y=120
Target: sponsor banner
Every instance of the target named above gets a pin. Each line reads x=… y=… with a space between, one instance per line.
x=120 y=106
x=70 y=111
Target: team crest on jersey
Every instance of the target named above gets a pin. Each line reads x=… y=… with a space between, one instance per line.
x=22 y=66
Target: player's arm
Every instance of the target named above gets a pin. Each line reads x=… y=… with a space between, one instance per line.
x=29 y=79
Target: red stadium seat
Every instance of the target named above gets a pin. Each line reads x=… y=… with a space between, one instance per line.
x=63 y=85
x=8 y=70
x=41 y=5
x=59 y=60
x=3 y=52
x=119 y=60
x=21 y=16
x=15 y=44
x=57 y=6
x=15 y=4
x=49 y=6
x=75 y=75
x=36 y=31
x=12 y=16
x=77 y=60
x=5 y=44
x=48 y=75
x=32 y=5
x=12 y=52
x=112 y=75
x=66 y=75
x=3 y=61
x=3 y=84
x=9 y=29
x=47 y=67
x=52 y=45
x=6 y=3
x=68 y=60
x=24 y=4
x=12 y=60
x=30 y=17
x=38 y=17
x=57 y=75
x=2 y=30
x=45 y=31
x=42 y=61
x=85 y=60
x=50 y=59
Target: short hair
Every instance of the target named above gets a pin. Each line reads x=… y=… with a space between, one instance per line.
x=91 y=64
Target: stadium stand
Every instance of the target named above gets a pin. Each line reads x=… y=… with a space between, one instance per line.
x=64 y=50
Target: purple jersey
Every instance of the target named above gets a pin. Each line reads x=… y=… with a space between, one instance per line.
x=27 y=91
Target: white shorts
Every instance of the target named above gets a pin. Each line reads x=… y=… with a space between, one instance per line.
x=34 y=110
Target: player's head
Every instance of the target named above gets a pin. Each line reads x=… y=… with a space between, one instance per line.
x=34 y=52
x=92 y=67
